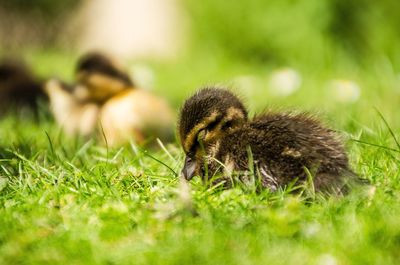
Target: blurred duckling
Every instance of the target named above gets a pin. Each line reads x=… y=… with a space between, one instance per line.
x=100 y=78
x=127 y=113
x=220 y=141
x=105 y=99
x=20 y=90
x=74 y=116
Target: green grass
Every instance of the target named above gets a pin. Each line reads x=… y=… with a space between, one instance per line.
x=70 y=201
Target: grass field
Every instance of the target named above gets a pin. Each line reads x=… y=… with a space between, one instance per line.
x=70 y=201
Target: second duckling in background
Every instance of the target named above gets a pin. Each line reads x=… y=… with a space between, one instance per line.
x=127 y=112
x=100 y=78
x=124 y=112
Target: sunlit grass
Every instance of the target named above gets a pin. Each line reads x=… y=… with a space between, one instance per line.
x=73 y=201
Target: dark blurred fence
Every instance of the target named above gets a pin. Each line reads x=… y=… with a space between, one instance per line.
x=33 y=22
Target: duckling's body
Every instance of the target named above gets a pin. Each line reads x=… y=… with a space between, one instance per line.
x=104 y=101
x=136 y=115
x=74 y=116
x=127 y=112
x=279 y=148
x=282 y=146
x=19 y=88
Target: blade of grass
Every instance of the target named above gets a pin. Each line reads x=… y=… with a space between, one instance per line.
x=389 y=128
x=159 y=161
x=376 y=145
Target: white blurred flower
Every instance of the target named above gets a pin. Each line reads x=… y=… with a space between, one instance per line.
x=345 y=91
x=142 y=76
x=285 y=81
x=327 y=259
x=311 y=229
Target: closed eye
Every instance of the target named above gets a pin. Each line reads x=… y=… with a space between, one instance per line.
x=229 y=124
x=211 y=126
x=202 y=133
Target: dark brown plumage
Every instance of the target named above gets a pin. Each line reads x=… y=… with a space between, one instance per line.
x=220 y=141
x=19 y=88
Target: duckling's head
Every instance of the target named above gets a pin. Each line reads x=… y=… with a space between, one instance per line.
x=101 y=76
x=97 y=63
x=205 y=118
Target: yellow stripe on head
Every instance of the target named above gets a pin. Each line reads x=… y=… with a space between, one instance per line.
x=192 y=135
x=234 y=113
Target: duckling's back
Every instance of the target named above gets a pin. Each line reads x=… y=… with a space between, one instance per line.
x=283 y=145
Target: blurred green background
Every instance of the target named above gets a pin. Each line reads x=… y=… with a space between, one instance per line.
x=222 y=42
x=319 y=33
x=305 y=32
x=65 y=201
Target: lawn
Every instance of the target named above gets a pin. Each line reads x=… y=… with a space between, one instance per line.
x=73 y=201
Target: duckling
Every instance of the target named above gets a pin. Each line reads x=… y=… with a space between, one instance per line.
x=219 y=141
x=104 y=102
x=19 y=88
x=127 y=112
x=74 y=116
x=100 y=77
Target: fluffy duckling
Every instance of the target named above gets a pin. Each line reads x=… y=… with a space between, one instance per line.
x=101 y=78
x=220 y=141
x=126 y=112
x=74 y=116
x=104 y=102
x=19 y=88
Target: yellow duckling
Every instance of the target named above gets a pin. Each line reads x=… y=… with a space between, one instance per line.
x=106 y=99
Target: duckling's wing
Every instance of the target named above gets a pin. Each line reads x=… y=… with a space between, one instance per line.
x=289 y=145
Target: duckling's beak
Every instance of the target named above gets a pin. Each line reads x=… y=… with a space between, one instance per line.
x=189 y=168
